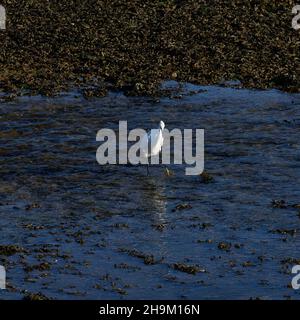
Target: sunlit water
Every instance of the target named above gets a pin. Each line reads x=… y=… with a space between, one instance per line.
x=84 y=219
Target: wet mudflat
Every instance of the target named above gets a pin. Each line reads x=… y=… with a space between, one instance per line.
x=72 y=229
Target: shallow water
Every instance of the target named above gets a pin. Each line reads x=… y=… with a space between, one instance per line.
x=86 y=220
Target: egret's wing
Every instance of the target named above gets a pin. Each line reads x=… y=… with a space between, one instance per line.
x=151 y=143
x=156 y=141
x=145 y=144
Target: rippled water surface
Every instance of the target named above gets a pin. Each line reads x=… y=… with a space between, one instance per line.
x=111 y=232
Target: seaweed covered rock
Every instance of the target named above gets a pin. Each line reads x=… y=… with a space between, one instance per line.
x=134 y=45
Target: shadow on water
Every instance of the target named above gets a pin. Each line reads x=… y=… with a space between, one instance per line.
x=112 y=232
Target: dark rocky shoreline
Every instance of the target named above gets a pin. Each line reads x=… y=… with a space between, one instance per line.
x=134 y=45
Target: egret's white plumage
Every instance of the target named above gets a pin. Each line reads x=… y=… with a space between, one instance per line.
x=152 y=142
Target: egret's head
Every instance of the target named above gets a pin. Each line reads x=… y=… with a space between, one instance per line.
x=162 y=125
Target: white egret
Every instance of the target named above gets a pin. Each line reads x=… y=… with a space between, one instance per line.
x=152 y=142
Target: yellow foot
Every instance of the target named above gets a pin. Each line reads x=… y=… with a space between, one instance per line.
x=168 y=172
